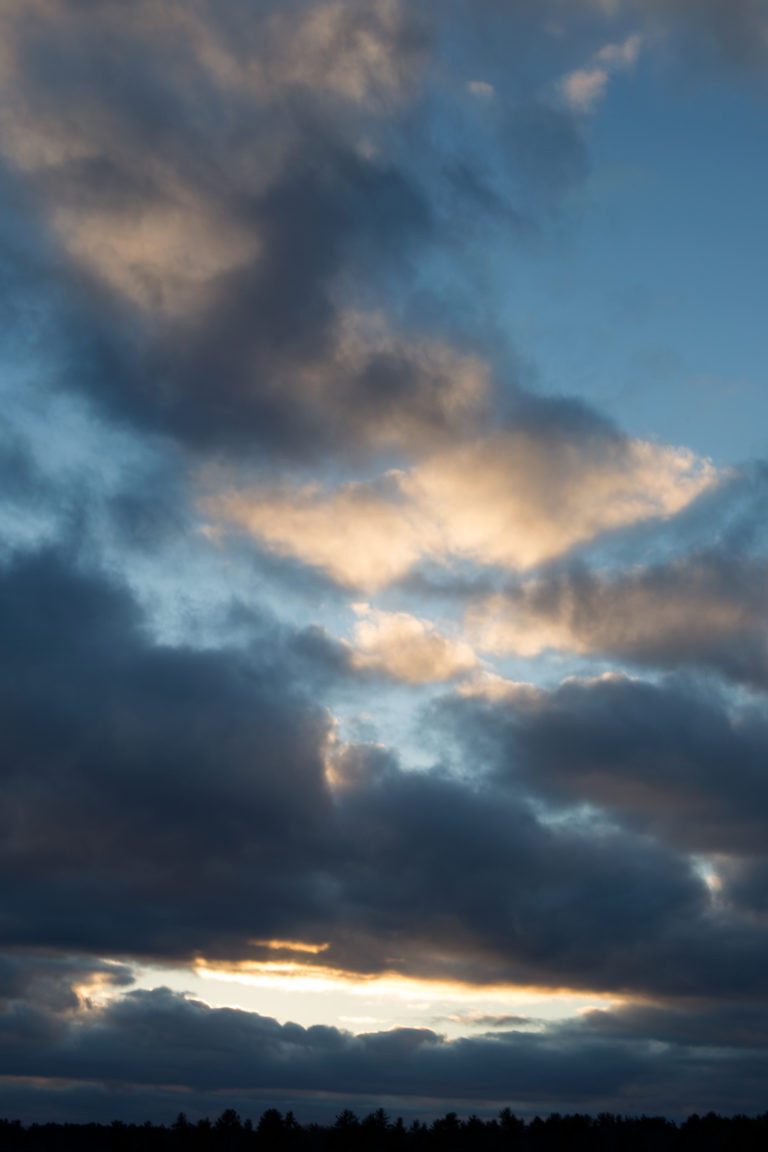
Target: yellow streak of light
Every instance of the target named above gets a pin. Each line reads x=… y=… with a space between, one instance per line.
x=97 y=990
x=291 y=946
x=297 y=977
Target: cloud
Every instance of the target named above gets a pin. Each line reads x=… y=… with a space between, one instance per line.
x=513 y=499
x=738 y=31
x=57 y=984
x=480 y=89
x=585 y=87
x=490 y=686
x=210 y=275
x=736 y=1025
x=357 y=535
x=674 y=760
x=703 y=611
x=146 y=786
x=270 y=360
x=151 y=764
x=211 y=189
x=159 y=1046
x=407 y=648
x=229 y=257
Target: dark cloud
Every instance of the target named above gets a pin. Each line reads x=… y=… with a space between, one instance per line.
x=159 y=772
x=171 y=801
x=261 y=204
x=219 y=193
x=745 y=884
x=160 y=1046
x=532 y=899
x=265 y=363
x=50 y=981
x=674 y=759
x=234 y=377
x=730 y=1025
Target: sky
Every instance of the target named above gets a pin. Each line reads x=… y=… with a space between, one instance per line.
x=383 y=557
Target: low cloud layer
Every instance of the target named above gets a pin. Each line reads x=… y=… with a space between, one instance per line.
x=145 y=1043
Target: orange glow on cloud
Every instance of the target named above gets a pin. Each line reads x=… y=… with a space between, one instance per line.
x=297 y=977
x=165 y=254
x=291 y=946
x=407 y=648
x=513 y=499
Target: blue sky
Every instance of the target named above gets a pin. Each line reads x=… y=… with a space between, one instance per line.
x=383 y=564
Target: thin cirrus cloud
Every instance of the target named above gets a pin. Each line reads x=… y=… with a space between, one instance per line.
x=514 y=499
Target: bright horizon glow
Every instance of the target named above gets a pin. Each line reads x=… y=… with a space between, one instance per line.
x=288 y=993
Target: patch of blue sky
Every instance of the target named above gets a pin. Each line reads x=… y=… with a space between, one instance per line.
x=649 y=307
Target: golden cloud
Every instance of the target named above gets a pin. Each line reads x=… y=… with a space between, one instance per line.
x=408 y=649
x=513 y=499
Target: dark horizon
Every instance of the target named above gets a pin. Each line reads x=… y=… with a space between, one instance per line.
x=378 y=1132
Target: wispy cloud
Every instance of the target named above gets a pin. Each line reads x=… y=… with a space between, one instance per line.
x=584 y=88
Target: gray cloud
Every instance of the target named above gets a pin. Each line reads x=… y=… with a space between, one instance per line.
x=158 y=772
x=167 y=802
x=50 y=981
x=161 y=1045
x=737 y=31
x=701 y=611
x=695 y=1023
x=674 y=759
x=234 y=238
x=214 y=189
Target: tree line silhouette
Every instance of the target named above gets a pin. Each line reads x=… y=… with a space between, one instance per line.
x=376 y=1132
